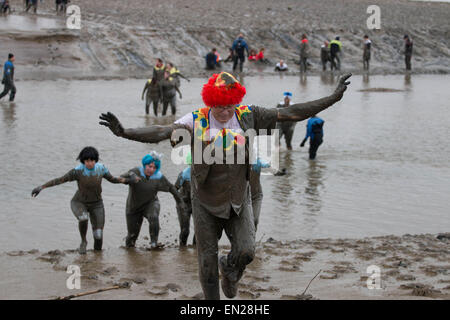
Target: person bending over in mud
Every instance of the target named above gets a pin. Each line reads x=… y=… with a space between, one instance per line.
x=87 y=203
x=154 y=95
x=142 y=199
x=220 y=193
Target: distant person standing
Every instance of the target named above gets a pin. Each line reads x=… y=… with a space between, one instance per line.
x=314 y=131
x=286 y=127
x=8 y=78
x=408 y=51
x=158 y=69
x=239 y=47
x=304 y=53
x=153 y=95
x=335 y=51
x=324 y=55
x=169 y=89
x=5 y=7
x=366 y=52
x=32 y=3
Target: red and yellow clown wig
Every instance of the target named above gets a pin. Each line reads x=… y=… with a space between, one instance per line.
x=222 y=90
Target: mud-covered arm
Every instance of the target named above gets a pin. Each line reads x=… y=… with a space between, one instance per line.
x=69 y=176
x=108 y=176
x=145 y=89
x=178 y=90
x=131 y=176
x=166 y=186
x=302 y=111
x=150 y=134
x=179 y=181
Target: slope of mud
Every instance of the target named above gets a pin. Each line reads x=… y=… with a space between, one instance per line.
x=118 y=40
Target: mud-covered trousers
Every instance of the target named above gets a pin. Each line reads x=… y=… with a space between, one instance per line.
x=240 y=230
x=95 y=212
x=173 y=105
x=135 y=219
x=408 y=61
x=314 y=145
x=184 y=218
x=241 y=60
x=9 y=86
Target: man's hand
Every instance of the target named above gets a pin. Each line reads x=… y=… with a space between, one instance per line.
x=181 y=97
x=111 y=121
x=343 y=83
x=36 y=191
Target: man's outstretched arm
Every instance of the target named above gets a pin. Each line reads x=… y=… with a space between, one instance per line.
x=150 y=134
x=302 y=111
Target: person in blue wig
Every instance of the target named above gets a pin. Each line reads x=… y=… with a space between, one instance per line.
x=142 y=201
x=183 y=185
x=286 y=127
x=87 y=203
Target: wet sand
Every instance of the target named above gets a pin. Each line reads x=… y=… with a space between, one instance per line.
x=411 y=266
x=118 y=41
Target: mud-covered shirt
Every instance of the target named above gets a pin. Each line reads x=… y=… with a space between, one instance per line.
x=183 y=184
x=142 y=193
x=89 y=182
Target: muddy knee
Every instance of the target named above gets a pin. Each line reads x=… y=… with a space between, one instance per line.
x=98 y=234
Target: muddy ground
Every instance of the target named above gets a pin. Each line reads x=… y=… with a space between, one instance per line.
x=411 y=267
x=118 y=40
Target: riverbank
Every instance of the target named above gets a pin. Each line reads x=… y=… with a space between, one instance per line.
x=118 y=41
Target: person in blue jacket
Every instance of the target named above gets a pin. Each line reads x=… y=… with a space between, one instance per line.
x=8 y=78
x=239 y=47
x=314 y=131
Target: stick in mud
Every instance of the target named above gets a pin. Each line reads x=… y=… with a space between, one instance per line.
x=88 y=293
x=311 y=281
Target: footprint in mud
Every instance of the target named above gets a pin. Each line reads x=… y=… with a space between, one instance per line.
x=330 y=275
x=246 y=294
x=163 y=290
x=406 y=277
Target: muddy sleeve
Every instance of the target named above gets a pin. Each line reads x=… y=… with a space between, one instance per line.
x=154 y=133
x=130 y=175
x=108 y=176
x=302 y=111
x=179 y=182
x=166 y=186
x=69 y=176
x=145 y=89
x=265 y=119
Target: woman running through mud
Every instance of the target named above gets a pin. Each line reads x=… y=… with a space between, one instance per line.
x=143 y=200
x=87 y=203
x=153 y=95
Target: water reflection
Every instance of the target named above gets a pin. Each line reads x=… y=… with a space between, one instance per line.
x=9 y=114
x=283 y=186
x=314 y=186
x=303 y=79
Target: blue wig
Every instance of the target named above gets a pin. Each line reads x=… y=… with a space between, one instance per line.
x=149 y=158
x=287 y=94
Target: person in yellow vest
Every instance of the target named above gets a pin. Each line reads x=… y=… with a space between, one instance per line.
x=335 y=53
x=220 y=192
x=158 y=69
x=175 y=73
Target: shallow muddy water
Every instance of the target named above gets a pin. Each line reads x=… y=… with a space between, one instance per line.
x=383 y=167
